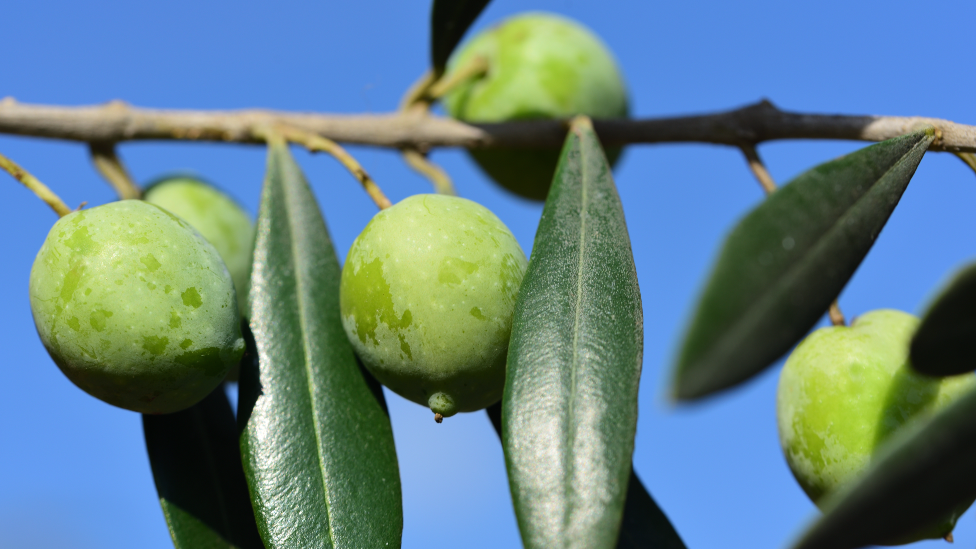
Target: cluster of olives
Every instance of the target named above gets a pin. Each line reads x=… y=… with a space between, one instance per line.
x=428 y=289
x=845 y=391
x=139 y=302
x=135 y=300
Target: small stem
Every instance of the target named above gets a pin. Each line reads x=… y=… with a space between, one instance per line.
x=758 y=168
x=438 y=418
x=417 y=90
x=315 y=143
x=38 y=188
x=417 y=102
x=108 y=163
x=948 y=537
x=431 y=87
x=835 y=314
x=968 y=158
x=437 y=176
x=478 y=66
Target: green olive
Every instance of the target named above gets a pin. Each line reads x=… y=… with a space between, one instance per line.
x=845 y=391
x=540 y=66
x=216 y=216
x=135 y=307
x=427 y=295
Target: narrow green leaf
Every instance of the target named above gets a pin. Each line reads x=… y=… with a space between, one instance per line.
x=945 y=343
x=197 y=468
x=644 y=524
x=449 y=20
x=787 y=260
x=922 y=477
x=574 y=360
x=317 y=444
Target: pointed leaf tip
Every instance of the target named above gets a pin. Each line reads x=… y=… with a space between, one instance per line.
x=449 y=21
x=787 y=260
x=644 y=523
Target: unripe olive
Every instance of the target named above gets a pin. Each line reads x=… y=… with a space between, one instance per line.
x=427 y=295
x=216 y=216
x=135 y=307
x=540 y=66
x=845 y=391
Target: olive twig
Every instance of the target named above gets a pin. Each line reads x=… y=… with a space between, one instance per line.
x=38 y=188
x=437 y=176
x=315 y=143
x=769 y=185
x=108 y=163
x=756 y=123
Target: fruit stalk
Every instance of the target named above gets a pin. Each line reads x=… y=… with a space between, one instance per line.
x=316 y=143
x=108 y=163
x=38 y=188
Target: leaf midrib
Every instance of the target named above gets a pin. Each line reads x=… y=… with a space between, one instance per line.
x=307 y=351
x=749 y=318
x=571 y=413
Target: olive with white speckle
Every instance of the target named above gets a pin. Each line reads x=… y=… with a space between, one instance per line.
x=427 y=295
x=135 y=307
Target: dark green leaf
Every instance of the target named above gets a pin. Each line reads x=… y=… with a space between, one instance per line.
x=574 y=361
x=787 y=260
x=945 y=343
x=644 y=524
x=449 y=20
x=197 y=468
x=922 y=477
x=317 y=443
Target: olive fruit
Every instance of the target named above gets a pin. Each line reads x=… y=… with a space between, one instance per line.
x=844 y=392
x=426 y=297
x=216 y=216
x=540 y=66
x=135 y=307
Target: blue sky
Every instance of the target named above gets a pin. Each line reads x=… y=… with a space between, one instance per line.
x=73 y=471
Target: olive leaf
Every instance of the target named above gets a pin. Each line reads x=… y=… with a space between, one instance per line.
x=920 y=478
x=644 y=524
x=574 y=361
x=787 y=260
x=449 y=20
x=317 y=444
x=196 y=465
x=945 y=343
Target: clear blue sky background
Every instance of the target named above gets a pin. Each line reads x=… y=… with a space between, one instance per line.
x=74 y=472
